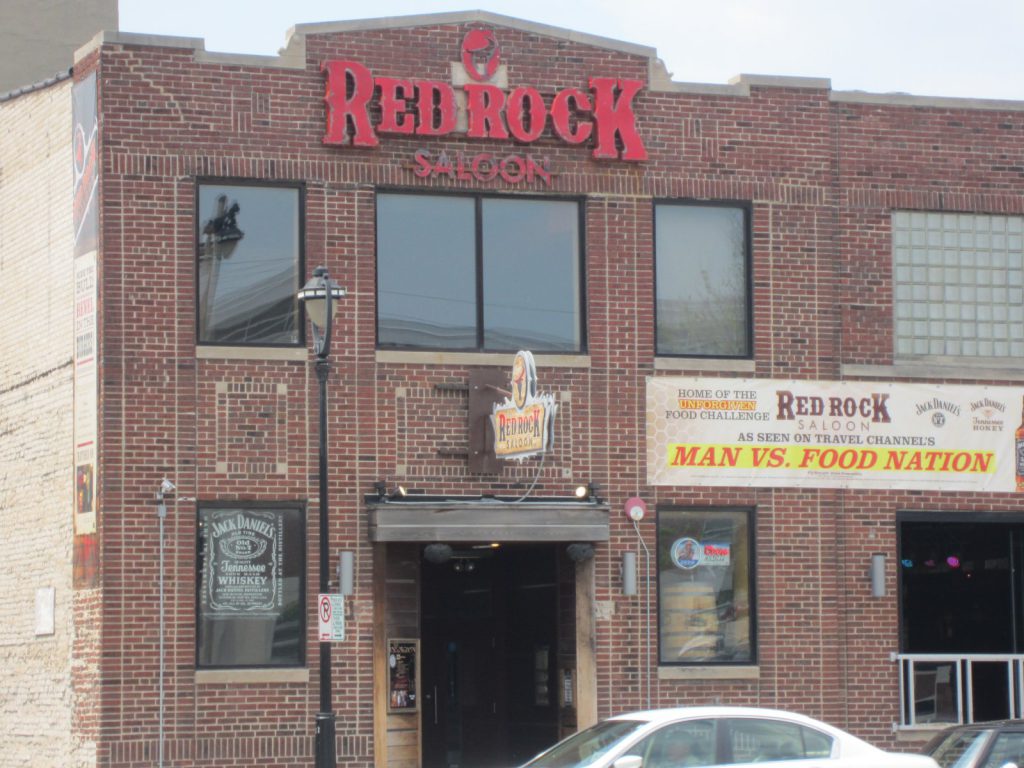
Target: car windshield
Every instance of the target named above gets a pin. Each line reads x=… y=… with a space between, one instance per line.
x=586 y=747
x=958 y=748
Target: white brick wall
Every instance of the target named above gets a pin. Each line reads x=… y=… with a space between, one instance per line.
x=36 y=488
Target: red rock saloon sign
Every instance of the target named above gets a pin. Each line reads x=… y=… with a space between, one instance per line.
x=603 y=114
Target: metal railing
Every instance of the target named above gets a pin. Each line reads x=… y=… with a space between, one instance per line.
x=941 y=688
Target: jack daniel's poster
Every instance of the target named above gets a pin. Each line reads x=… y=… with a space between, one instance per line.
x=243 y=562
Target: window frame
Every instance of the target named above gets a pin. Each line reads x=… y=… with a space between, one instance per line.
x=747 y=209
x=750 y=517
x=200 y=564
x=300 y=267
x=478 y=198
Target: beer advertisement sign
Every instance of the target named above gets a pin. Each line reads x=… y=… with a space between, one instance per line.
x=244 y=568
x=834 y=434
x=524 y=422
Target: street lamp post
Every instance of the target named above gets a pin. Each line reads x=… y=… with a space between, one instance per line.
x=320 y=297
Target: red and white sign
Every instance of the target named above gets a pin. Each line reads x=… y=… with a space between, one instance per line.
x=331 y=618
x=360 y=106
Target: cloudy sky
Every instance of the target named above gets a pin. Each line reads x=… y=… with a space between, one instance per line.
x=969 y=49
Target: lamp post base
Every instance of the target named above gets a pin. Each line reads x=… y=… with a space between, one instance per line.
x=325 y=750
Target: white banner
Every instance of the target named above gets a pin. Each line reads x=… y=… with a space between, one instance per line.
x=834 y=434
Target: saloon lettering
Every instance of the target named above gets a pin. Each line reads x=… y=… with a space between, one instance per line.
x=428 y=108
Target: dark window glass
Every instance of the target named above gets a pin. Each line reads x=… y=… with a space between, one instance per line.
x=249 y=263
x=531 y=275
x=701 y=277
x=250 y=565
x=426 y=289
x=705 y=586
x=478 y=273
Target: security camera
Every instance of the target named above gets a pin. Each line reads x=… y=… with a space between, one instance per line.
x=167 y=486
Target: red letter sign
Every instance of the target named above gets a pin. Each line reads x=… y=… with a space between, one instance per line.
x=615 y=117
x=561 y=113
x=341 y=107
x=484 y=104
x=394 y=115
x=435 y=98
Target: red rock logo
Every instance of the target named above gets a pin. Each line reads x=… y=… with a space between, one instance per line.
x=479 y=47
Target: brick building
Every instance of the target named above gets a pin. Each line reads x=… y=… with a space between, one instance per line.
x=776 y=331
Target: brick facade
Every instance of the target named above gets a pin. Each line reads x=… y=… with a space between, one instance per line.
x=822 y=172
x=36 y=698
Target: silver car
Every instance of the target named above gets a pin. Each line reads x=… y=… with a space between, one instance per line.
x=718 y=736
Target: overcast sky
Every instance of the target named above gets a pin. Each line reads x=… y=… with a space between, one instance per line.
x=967 y=48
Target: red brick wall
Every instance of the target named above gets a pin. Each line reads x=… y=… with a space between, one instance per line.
x=822 y=177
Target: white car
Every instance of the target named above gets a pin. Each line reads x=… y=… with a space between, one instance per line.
x=718 y=736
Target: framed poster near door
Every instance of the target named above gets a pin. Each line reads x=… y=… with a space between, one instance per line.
x=403 y=670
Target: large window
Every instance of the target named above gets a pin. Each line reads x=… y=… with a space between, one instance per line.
x=705 y=586
x=959 y=285
x=248 y=248
x=702 y=280
x=478 y=273
x=251 y=566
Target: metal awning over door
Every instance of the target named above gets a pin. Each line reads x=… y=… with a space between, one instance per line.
x=454 y=520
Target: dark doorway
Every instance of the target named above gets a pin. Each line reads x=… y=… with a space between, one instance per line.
x=961 y=588
x=490 y=629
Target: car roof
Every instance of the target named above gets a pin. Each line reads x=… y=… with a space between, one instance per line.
x=987 y=724
x=677 y=713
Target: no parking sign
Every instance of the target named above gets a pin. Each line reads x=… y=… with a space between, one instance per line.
x=331 y=617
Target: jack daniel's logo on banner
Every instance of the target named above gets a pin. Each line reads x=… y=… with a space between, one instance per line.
x=524 y=422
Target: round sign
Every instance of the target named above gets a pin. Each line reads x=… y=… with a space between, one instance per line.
x=325 y=609
x=686 y=553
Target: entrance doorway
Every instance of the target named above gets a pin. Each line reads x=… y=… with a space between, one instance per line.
x=961 y=595
x=498 y=635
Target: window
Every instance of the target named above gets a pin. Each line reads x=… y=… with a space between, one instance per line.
x=249 y=261
x=688 y=743
x=959 y=284
x=702 y=280
x=705 y=586
x=251 y=566
x=478 y=273
x=765 y=741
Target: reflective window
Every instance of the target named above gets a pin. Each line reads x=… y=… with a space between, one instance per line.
x=701 y=277
x=705 y=578
x=757 y=740
x=248 y=247
x=958 y=748
x=689 y=743
x=251 y=565
x=1008 y=750
x=478 y=273
x=426 y=266
x=531 y=274
x=958 y=283
x=588 y=746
